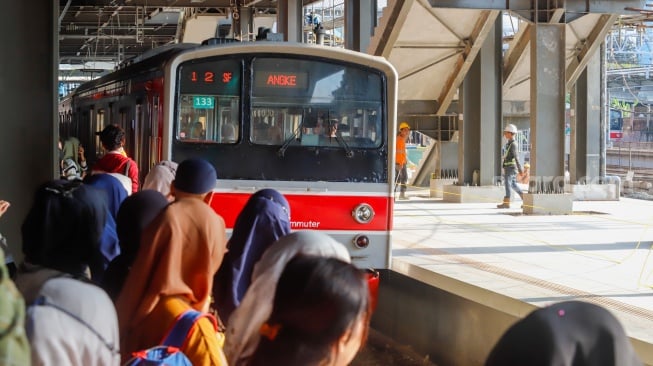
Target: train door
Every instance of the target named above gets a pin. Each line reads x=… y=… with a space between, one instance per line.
x=126 y=121
x=98 y=125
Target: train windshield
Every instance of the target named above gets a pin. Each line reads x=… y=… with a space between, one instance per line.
x=309 y=103
x=209 y=101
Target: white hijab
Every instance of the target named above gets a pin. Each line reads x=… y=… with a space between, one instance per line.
x=242 y=333
x=161 y=176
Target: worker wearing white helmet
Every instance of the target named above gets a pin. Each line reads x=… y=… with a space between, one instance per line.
x=511 y=166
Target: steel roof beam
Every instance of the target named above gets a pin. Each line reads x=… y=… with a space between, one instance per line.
x=573 y=8
x=587 y=47
x=473 y=45
x=394 y=16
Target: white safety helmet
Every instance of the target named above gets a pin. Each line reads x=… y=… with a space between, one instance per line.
x=510 y=128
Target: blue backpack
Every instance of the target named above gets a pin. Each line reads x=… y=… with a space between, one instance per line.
x=169 y=353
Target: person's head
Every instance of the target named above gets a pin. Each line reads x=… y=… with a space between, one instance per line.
x=195 y=178
x=568 y=333
x=333 y=127
x=63 y=227
x=112 y=137
x=320 y=313
x=113 y=191
x=160 y=177
x=69 y=169
x=197 y=130
x=244 y=323
x=404 y=129
x=136 y=212
x=510 y=131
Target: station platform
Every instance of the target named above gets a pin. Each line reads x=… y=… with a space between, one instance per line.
x=512 y=262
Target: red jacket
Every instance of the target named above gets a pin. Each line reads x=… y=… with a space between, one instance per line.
x=117 y=163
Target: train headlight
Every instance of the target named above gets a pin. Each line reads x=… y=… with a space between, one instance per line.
x=363 y=213
x=361 y=241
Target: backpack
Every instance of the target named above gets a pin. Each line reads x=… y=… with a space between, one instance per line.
x=169 y=353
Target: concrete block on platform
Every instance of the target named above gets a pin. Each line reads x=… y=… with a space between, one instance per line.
x=436 y=187
x=473 y=194
x=548 y=204
x=593 y=192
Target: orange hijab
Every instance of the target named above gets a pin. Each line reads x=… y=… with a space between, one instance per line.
x=180 y=252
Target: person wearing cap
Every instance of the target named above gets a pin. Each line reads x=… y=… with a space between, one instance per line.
x=195 y=178
x=116 y=160
x=401 y=159
x=510 y=164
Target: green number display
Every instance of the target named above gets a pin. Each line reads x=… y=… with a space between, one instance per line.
x=203 y=102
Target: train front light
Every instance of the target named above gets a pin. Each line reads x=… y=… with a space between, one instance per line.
x=361 y=241
x=363 y=213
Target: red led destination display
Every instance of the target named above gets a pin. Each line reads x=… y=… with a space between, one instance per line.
x=280 y=79
x=209 y=77
x=218 y=77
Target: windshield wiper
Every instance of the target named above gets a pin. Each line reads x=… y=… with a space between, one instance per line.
x=348 y=151
x=282 y=150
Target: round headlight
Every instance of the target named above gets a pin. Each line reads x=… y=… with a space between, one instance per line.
x=363 y=213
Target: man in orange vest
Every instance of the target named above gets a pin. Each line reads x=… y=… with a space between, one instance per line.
x=401 y=159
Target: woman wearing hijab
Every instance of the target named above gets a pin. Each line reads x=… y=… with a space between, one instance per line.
x=69 y=321
x=571 y=333
x=174 y=272
x=242 y=333
x=160 y=178
x=264 y=219
x=300 y=332
x=135 y=214
x=114 y=194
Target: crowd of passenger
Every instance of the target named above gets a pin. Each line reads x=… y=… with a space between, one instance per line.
x=109 y=274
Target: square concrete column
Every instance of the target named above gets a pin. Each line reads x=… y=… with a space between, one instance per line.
x=290 y=19
x=481 y=110
x=586 y=123
x=546 y=187
x=360 y=19
x=547 y=107
x=28 y=100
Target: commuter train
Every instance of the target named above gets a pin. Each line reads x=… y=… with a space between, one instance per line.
x=616 y=124
x=313 y=122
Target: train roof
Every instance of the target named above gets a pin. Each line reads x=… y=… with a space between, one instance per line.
x=151 y=60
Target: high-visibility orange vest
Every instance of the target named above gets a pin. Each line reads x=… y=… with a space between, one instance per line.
x=400 y=157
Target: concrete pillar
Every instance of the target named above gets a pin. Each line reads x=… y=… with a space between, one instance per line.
x=481 y=107
x=586 y=123
x=28 y=100
x=547 y=186
x=360 y=18
x=290 y=20
x=547 y=108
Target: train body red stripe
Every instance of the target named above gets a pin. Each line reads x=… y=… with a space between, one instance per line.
x=316 y=212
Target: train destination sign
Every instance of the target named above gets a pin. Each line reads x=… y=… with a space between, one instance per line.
x=203 y=102
x=281 y=79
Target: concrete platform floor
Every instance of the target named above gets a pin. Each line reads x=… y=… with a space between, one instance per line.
x=513 y=262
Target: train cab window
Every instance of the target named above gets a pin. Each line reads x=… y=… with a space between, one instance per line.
x=209 y=102
x=297 y=102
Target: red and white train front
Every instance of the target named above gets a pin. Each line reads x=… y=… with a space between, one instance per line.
x=312 y=122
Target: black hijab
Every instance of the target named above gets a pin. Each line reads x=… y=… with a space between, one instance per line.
x=135 y=214
x=571 y=333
